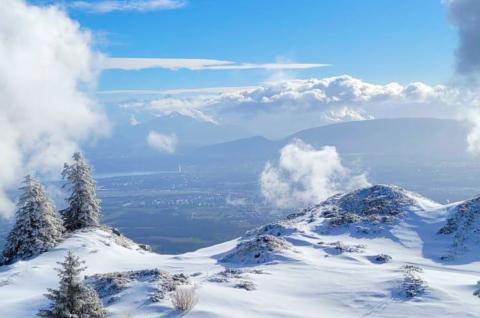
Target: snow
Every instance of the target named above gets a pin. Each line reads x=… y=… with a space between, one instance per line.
x=329 y=271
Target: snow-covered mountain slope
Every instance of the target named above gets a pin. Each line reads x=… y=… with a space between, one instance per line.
x=463 y=230
x=375 y=252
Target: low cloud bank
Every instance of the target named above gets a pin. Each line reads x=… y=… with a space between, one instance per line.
x=162 y=143
x=305 y=175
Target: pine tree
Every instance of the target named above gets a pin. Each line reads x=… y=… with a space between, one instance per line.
x=72 y=299
x=37 y=226
x=83 y=206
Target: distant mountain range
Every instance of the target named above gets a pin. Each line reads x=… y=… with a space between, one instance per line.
x=418 y=153
x=425 y=137
x=207 y=143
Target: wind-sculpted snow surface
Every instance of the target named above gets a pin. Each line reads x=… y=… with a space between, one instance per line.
x=386 y=261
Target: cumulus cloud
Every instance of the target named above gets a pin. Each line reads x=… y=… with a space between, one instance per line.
x=318 y=94
x=345 y=113
x=171 y=106
x=342 y=90
x=161 y=142
x=106 y=6
x=45 y=60
x=136 y=64
x=299 y=104
x=465 y=16
x=305 y=175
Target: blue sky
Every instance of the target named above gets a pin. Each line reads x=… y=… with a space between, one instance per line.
x=376 y=40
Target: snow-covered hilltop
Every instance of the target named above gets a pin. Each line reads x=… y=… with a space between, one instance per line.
x=379 y=252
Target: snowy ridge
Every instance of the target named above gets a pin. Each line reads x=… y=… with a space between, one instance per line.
x=463 y=227
x=307 y=266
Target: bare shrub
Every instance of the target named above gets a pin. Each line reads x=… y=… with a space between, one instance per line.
x=184 y=298
x=245 y=284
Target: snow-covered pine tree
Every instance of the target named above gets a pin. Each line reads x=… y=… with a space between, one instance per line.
x=72 y=299
x=37 y=226
x=83 y=206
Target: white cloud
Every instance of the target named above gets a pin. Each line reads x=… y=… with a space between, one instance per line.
x=318 y=95
x=135 y=64
x=44 y=59
x=345 y=113
x=465 y=16
x=340 y=90
x=106 y=6
x=305 y=175
x=162 y=143
x=171 y=106
x=333 y=99
x=179 y=91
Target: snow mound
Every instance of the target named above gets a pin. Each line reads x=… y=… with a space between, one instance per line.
x=260 y=249
x=281 y=228
x=371 y=211
x=293 y=223
x=121 y=239
x=378 y=204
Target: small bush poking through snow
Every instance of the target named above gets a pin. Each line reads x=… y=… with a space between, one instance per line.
x=238 y=277
x=382 y=258
x=412 y=285
x=110 y=284
x=340 y=247
x=344 y=248
x=184 y=298
x=245 y=284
